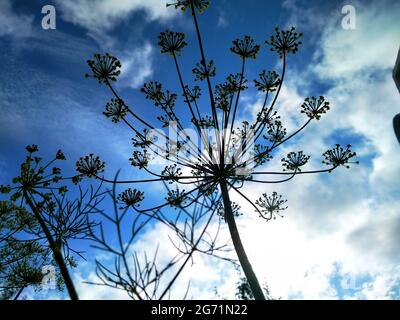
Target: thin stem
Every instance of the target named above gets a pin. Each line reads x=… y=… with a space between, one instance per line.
x=234 y=114
x=263 y=124
x=196 y=121
x=120 y=241
x=204 y=62
x=194 y=248
x=273 y=181
x=150 y=180
x=290 y=173
x=20 y=291
x=260 y=155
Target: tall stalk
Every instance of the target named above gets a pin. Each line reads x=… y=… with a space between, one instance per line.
x=237 y=243
x=58 y=257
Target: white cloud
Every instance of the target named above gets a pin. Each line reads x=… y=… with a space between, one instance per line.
x=13 y=24
x=384 y=286
x=222 y=21
x=158 y=238
x=88 y=291
x=100 y=18
x=137 y=66
x=359 y=63
x=102 y=15
x=348 y=219
x=201 y=272
x=370 y=47
x=302 y=17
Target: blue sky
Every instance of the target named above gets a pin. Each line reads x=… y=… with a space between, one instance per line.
x=349 y=219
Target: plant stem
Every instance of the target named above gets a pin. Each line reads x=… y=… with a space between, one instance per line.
x=55 y=249
x=237 y=243
x=19 y=292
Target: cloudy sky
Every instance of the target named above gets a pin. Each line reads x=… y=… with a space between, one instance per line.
x=339 y=237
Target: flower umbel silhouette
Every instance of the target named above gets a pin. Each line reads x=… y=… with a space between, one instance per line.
x=222 y=163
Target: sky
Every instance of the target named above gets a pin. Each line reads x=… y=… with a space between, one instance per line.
x=339 y=236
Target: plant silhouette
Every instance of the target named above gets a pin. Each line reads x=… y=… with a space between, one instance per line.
x=231 y=152
x=21 y=262
x=39 y=222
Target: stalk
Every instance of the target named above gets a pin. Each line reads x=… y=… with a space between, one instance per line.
x=237 y=243
x=55 y=249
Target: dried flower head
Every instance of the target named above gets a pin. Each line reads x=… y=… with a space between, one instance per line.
x=192 y=94
x=32 y=148
x=235 y=82
x=268 y=82
x=131 y=198
x=116 y=110
x=235 y=210
x=60 y=155
x=271 y=205
x=171 y=173
x=140 y=159
x=168 y=100
x=5 y=189
x=263 y=154
x=295 y=160
x=184 y=5
x=171 y=42
x=268 y=117
x=202 y=70
x=276 y=132
x=223 y=90
x=314 y=107
x=285 y=41
x=245 y=48
x=339 y=156
x=222 y=101
x=143 y=140
x=76 y=179
x=90 y=166
x=176 y=198
x=153 y=91
x=104 y=68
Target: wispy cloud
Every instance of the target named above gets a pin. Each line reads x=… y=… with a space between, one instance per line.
x=371 y=47
x=222 y=21
x=137 y=66
x=100 y=18
x=103 y=15
x=14 y=24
